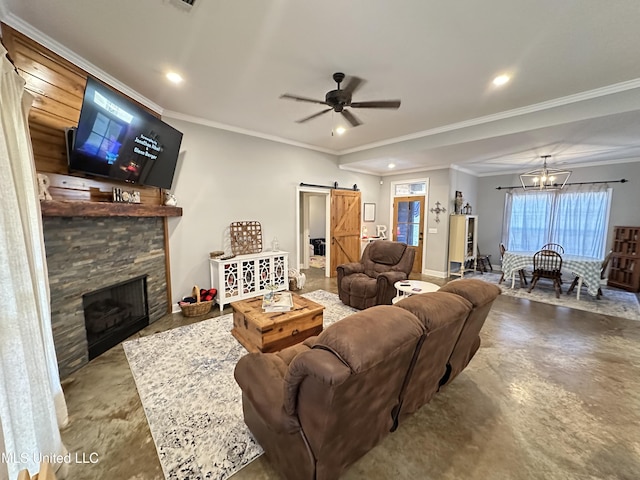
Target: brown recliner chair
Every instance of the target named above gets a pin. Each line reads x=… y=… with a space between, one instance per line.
x=370 y=282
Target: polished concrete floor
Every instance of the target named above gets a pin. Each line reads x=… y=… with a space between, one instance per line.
x=553 y=393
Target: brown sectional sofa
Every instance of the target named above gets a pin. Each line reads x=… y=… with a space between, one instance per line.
x=318 y=406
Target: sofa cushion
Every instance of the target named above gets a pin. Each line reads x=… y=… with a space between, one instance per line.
x=370 y=336
x=479 y=293
x=387 y=253
x=434 y=314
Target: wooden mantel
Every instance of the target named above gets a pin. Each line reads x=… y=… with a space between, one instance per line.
x=54 y=208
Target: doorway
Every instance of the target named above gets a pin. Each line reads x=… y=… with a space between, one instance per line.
x=313 y=250
x=408 y=222
x=341 y=226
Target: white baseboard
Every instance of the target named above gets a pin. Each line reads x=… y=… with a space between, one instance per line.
x=435 y=273
x=175 y=308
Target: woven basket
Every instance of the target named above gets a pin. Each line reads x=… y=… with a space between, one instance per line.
x=198 y=308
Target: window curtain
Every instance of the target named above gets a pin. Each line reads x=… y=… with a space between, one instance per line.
x=576 y=219
x=32 y=405
x=581 y=219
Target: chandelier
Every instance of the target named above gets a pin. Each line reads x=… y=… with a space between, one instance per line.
x=545 y=178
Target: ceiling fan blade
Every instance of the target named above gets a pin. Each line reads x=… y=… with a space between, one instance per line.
x=353 y=84
x=377 y=104
x=302 y=99
x=351 y=118
x=314 y=115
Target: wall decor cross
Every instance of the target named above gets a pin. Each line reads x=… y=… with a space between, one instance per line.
x=438 y=210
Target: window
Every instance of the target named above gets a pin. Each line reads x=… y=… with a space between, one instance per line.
x=576 y=220
x=405 y=189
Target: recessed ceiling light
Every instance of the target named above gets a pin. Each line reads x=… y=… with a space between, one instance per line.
x=340 y=130
x=501 y=80
x=392 y=165
x=174 y=77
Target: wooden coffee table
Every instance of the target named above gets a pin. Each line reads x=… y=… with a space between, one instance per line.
x=259 y=331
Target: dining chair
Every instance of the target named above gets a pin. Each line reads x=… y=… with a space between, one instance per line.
x=603 y=269
x=483 y=261
x=547 y=264
x=555 y=247
x=521 y=273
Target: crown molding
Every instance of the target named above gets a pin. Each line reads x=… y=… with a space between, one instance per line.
x=464 y=170
x=243 y=131
x=56 y=47
x=537 y=107
x=399 y=172
x=359 y=170
x=570 y=166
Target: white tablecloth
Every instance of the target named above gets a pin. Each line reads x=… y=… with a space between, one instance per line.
x=587 y=268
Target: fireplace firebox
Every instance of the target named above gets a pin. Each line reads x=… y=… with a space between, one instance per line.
x=113 y=313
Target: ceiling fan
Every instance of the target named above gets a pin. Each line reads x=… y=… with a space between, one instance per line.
x=340 y=98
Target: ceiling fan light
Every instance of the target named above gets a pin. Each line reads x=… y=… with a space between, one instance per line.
x=340 y=130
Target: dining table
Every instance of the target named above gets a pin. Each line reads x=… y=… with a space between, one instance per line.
x=587 y=269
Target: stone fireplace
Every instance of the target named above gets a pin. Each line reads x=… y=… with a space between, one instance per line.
x=89 y=254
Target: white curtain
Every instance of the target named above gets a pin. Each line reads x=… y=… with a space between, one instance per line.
x=576 y=218
x=32 y=405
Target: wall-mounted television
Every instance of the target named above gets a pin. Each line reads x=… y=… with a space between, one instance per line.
x=119 y=140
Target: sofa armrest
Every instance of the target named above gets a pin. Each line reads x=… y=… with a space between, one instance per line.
x=392 y=277
x=385 y=282
x=260 y=379
x=351 y=268
x=323 y=365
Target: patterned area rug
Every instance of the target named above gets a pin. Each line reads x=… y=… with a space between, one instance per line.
x=185 y=380
x=614 y=302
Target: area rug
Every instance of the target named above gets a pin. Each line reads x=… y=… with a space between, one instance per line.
x=614 y=302
x=193 y=405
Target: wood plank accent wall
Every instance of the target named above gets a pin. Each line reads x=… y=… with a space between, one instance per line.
x=58 y=88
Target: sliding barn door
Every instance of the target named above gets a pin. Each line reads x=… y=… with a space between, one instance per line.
x=345 y=228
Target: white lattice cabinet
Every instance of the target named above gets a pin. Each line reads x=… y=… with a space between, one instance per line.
x=246 y=276
x=463 y=244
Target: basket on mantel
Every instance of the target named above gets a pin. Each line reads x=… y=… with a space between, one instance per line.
x=198 y=308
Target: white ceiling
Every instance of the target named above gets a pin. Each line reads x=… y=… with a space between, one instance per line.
x=574 y=94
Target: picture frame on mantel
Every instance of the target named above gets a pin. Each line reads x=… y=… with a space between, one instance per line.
x=369 y=212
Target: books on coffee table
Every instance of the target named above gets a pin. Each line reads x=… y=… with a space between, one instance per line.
x=280 y=302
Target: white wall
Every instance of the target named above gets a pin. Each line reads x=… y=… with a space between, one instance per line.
x=224 y=177
x=317 y=216
x=468 y=185
x=625 y=202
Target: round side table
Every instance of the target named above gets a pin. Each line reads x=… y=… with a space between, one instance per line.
x=406 y=288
